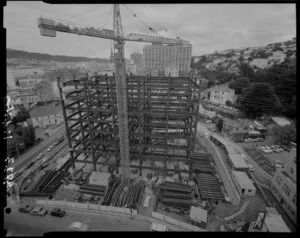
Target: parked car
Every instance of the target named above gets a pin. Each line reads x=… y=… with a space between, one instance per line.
x=78 y=226
x=278 y=164
x=50 y=148
x=39 y=211
x=26 y=208
x=57 y=212
x=40 y=155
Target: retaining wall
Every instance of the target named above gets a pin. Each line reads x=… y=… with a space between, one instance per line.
x=231 y=190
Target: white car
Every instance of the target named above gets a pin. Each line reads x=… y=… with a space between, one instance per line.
x=78 y=226
x=251 y=169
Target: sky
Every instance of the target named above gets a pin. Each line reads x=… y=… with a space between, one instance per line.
x=208 y=27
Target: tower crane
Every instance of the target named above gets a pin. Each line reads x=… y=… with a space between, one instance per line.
x=49 y=27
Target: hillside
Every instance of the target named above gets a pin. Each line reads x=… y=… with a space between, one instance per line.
x=256 y=57
x=11 y=53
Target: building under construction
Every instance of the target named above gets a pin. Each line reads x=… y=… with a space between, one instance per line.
x=162 y=122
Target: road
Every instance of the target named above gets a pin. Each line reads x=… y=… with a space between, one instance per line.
x=33 y=152
x=19 y=224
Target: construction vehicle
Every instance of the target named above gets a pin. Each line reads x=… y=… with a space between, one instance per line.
x=48 y=27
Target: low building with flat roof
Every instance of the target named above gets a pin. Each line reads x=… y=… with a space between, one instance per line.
x=243 y=184
x=198 y=216
x=280 y=121
x=237 y=162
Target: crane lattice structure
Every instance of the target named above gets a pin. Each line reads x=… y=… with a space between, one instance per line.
x=49 y=27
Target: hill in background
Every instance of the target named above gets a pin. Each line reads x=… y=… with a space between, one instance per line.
x=11 y=53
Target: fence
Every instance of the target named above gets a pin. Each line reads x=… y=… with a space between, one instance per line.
x=175 y=222
x=222 y=170
x=88 y=207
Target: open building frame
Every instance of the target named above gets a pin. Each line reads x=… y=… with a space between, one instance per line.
x=162 y=121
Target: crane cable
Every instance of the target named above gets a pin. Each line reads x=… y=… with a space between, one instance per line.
x=149 y=27
x=77 y=15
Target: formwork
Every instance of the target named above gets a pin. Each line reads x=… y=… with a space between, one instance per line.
x=162 y=121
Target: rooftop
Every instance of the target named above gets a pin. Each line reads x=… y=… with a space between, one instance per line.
x=46 y=110
x=281 y=121
x=198 y=214
x=274 y=223
x=238 y=161
x=243 y=180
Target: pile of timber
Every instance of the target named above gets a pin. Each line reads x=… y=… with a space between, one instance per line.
x=209 y=187
x=119 y=195
x=201 y=163
x=176 y=195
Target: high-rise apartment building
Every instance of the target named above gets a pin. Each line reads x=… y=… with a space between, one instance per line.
x=137 y=58
x=157 y=57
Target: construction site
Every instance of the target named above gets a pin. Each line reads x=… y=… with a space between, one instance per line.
x=131 y=142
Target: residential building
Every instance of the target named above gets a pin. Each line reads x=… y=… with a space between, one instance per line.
x=157 y=57
x=278 y=56
x=27 y=72
x=235 y=126
x=260 y=63
x=172 y=71
x=47 y=115
x=243 y=184
x=130 y=67
x=219 y=94
x=280 y=121
x=45 y=91
x=137 y=58
x=284 y=187
x=10 y=79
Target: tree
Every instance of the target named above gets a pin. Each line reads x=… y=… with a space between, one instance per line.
x=289 y=53
x=219 y=125
x=239 y=84
x=259 y=100
x=284 y=135
x=22 y=115
x=210 y=83
x=228 y=103
x=29 y=136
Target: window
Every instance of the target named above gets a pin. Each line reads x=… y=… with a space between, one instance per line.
x=249 y=190
x=292 y=170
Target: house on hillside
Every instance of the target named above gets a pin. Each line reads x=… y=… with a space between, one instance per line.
x=219 y=94
x=280 y=121
x=47 y=115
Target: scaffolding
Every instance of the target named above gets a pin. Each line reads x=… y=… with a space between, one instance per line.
x=162 y=121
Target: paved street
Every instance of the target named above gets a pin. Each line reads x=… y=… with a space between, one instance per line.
x=19 y=224
x=33 y=152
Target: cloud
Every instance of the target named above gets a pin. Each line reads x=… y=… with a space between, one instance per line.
x=208 y=27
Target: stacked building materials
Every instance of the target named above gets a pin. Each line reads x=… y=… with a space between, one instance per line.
x=176 y=195
x=209 y=187
x=201 y=163
x=93 y=190
x=120 y=195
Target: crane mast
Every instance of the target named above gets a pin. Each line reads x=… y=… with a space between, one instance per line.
x=121 y=91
